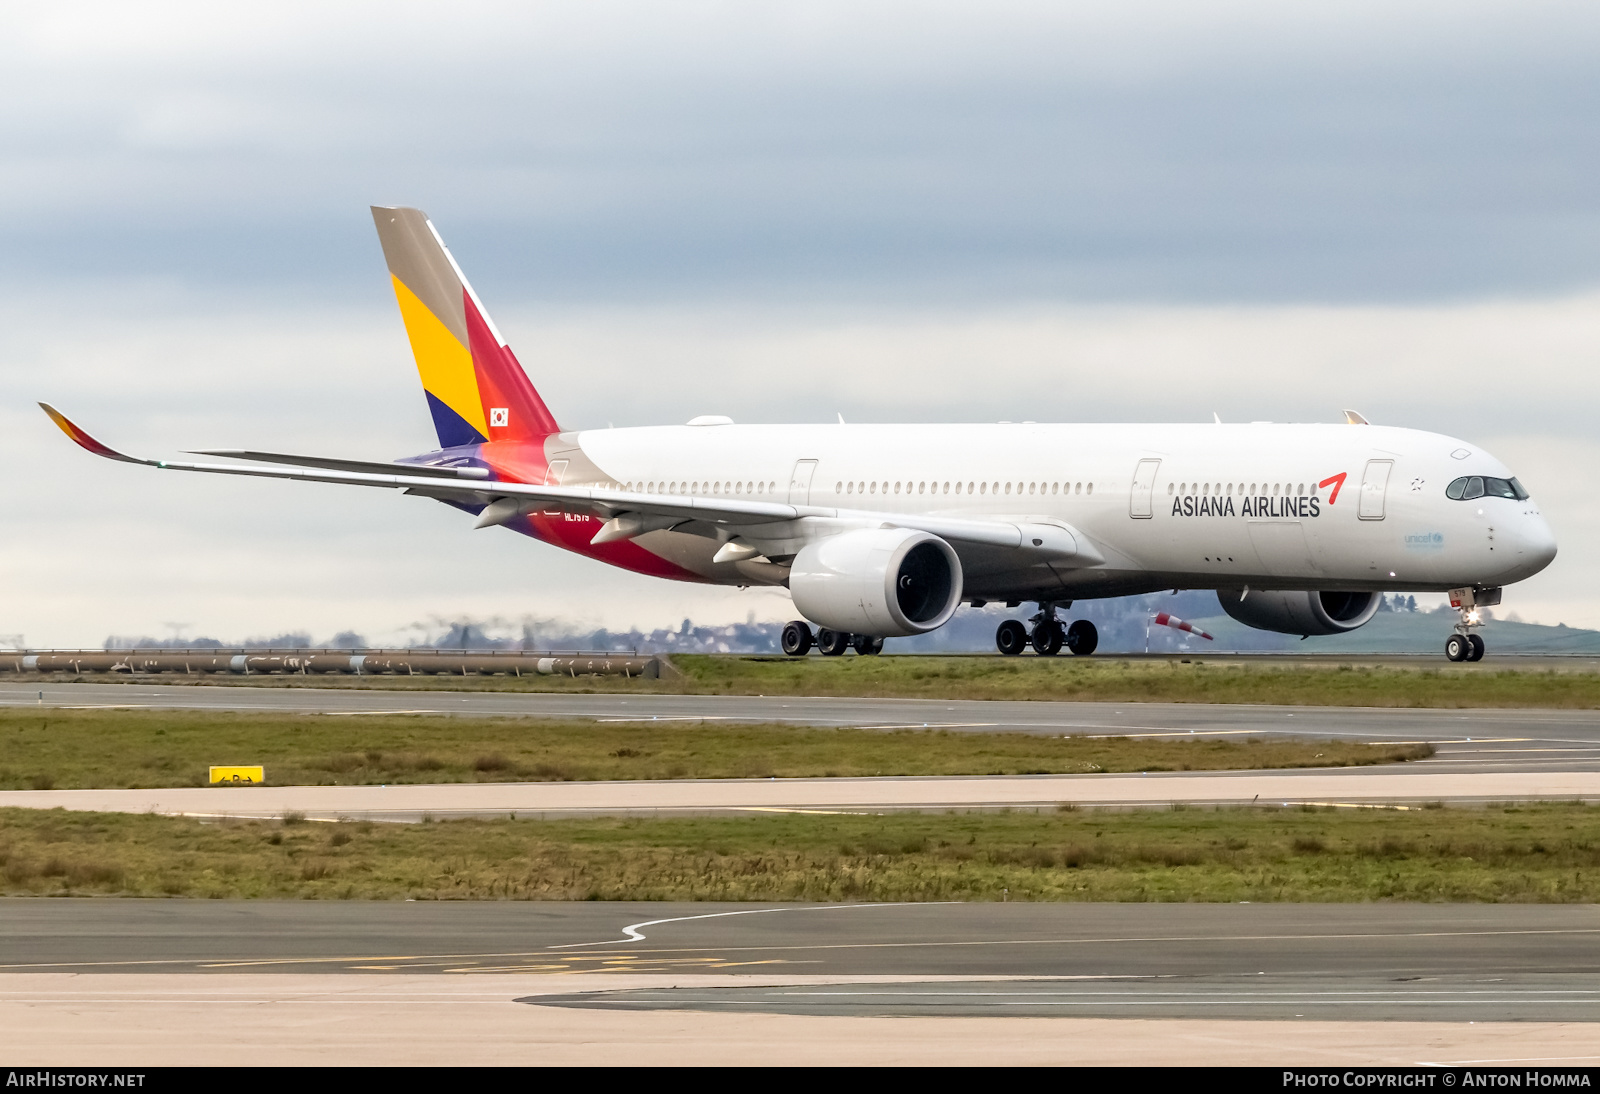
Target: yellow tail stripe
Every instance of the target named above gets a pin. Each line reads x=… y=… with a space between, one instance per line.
x=443 y=362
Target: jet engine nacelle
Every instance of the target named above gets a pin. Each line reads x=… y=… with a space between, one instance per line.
x=1299 y=612
x=884 y=582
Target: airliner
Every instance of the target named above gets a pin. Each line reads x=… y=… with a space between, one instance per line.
x=881 y=531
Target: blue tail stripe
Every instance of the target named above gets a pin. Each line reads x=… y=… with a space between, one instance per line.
x=452 y=428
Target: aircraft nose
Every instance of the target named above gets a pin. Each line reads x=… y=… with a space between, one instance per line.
x=1538 y=544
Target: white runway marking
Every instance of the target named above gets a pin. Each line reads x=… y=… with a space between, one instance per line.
x=632 y=931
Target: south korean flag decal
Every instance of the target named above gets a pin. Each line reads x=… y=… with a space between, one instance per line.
x=499 y=417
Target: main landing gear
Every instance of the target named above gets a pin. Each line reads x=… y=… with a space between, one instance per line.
x=1463 y=645
x=1047 y=636
x=797 y=641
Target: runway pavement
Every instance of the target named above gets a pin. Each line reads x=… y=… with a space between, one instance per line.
x=1265 y=961
x=1468 y=740
x=129 y=1021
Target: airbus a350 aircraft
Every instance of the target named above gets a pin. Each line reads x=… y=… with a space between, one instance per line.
x=885 y=530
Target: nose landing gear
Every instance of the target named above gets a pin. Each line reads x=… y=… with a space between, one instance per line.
x=1464 y=645
x=1048 y=635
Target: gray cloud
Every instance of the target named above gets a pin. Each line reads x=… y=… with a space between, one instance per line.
x=898 y=152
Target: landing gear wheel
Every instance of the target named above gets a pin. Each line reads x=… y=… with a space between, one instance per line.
x=1456 y=647
x=866 y=645
x=796 y=638
x=1047 y=638
x=1012 y=637
x=832 y=643
x=1476 y=653
x=1082 y=638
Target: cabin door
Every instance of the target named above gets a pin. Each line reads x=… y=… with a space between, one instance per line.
x=1374 y=484
x=1140 y=504
x=800 y=482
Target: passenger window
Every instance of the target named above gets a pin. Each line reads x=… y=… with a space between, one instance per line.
x=922 y=488
x=947 y=487
x=1091 y=488
x=1474 y=489
x=983 y=488
x=874 y=488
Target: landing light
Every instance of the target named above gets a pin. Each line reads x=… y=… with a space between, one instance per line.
x=1472 y=617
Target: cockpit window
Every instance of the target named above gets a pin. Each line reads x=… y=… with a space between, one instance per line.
x=1469 y=488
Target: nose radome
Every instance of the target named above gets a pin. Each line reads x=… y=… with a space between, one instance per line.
x=1538 y=544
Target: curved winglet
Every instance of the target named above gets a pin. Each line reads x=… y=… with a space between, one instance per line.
x=82 y=439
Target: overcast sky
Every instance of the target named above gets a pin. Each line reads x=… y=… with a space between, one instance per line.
x=1142 y=211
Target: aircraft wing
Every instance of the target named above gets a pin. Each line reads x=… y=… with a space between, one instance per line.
x=370 y=466
x=503 y=501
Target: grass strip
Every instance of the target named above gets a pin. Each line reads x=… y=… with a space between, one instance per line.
x=47 y=748
x=1533 y=853
x=1097 y=679
x=1117 y=681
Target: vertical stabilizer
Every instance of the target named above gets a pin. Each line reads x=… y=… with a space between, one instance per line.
x=476 y=389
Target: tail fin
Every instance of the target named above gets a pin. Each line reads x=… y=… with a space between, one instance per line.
x=476 y=389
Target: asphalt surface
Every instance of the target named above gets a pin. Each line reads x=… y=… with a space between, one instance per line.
x=1468 y=740
x=1260 y=961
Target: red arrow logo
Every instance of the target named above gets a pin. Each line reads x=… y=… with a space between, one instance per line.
x=1336 y=482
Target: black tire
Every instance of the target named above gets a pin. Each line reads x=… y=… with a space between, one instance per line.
x=796 y=638
x=866 y=645
x=832 y=643
x=1011 y=638
x=1047 y=638
x=1476 y=652
x=1082 y=638
x=1456 y=648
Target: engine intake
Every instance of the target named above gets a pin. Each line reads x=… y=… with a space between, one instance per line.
x=1301 y=613
x=884 y=582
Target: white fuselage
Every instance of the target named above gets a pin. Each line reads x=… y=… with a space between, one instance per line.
x=1167 y=506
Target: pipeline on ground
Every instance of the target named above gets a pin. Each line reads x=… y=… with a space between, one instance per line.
x=351 y=662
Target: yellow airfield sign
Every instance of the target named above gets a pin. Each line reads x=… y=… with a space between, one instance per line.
x=238 y=776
